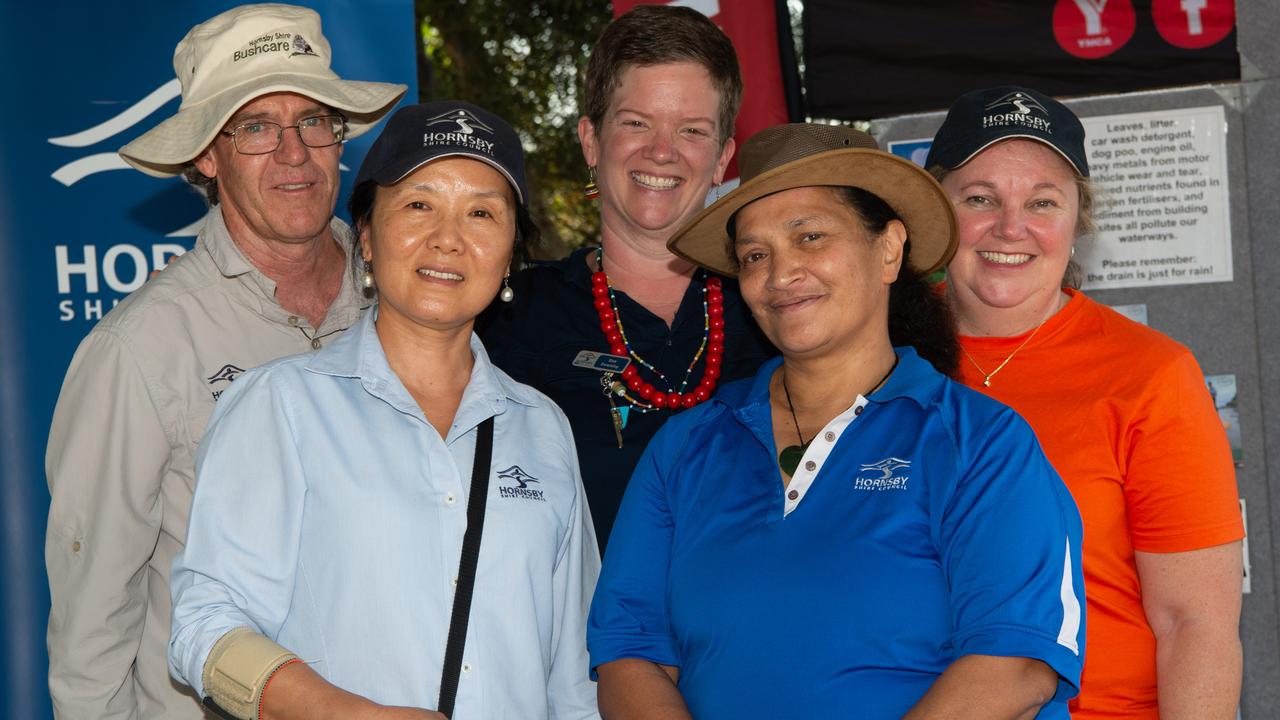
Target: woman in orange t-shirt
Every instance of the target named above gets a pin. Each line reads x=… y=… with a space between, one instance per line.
x=1121 y=411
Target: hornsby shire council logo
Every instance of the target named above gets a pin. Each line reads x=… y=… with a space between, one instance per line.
x=458 y=128
x=883 y=475
x=520 y=489
x=1016 y=108
x=226 y=374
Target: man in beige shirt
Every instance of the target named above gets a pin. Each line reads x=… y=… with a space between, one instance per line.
x=259 y=130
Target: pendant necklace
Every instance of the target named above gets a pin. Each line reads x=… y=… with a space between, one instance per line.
x=986 y=380
x=789 y=458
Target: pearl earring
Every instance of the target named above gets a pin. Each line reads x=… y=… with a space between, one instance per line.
x=366 y=278
x=507 y=294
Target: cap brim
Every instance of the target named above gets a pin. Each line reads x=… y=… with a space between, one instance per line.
x=1018 y=136
x=396 y=172
x=912 y=193
x=164 y=150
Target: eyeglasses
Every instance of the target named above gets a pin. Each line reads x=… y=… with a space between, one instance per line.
x=263 y=136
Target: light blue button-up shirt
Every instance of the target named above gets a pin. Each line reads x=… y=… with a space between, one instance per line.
x=329 y=516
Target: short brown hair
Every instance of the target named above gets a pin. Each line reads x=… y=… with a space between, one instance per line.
x=655 y=35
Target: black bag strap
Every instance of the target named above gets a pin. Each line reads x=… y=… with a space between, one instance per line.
x=467 y=568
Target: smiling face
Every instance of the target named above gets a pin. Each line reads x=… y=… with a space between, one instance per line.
x=657 y=151
x=283 y=196
x=1016 y=206
x=815 y=281
x=440 y=241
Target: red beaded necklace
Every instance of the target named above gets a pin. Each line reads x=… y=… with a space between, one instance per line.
x=646 y=397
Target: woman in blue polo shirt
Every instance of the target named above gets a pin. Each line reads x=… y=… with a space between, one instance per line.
x=850 y=533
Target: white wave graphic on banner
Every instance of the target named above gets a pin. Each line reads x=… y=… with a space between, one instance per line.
x=124 y=120
x=74 y=172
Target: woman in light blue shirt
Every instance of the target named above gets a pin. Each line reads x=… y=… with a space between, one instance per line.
x=333 y=487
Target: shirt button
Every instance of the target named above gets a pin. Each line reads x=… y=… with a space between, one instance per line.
x=315 y=344
x=466 y=667
x=793 y=495
x=293 y=320
x=75 y=546
x=449 y=499
x=858 y=410
x=454 y=582
x=829 y=436
x=810 y=465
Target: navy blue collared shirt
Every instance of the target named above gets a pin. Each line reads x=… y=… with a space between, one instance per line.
x=535 y=338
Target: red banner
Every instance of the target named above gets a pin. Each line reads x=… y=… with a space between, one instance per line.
x=753 y=28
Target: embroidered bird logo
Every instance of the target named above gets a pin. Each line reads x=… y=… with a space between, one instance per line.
x=1024 y=104
x=520 y=476
x=466 y=122
x=887 y=466
x=300 y=47
x=226 y=373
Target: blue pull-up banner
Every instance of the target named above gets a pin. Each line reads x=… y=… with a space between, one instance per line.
x=79 y=230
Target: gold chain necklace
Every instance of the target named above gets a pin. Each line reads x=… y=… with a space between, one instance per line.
x=986 y=380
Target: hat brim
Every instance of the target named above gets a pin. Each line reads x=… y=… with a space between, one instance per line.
x=164 y=150
x=913 y=194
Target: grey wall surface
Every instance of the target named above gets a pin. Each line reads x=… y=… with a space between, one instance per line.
x=1232 y=327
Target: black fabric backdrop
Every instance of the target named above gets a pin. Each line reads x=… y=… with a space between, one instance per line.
x=868 y=59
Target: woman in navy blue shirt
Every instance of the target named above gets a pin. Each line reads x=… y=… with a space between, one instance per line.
x=660 y=96
x=850 y=533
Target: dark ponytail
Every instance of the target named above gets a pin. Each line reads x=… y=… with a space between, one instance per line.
x=918 y=314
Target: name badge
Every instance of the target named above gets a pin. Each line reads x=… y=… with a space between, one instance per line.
x=604 y=362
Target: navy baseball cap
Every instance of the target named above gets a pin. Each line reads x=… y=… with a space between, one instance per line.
x=417 y=134
x=983 y=117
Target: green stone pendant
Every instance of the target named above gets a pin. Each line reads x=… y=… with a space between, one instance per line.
x=789 y=458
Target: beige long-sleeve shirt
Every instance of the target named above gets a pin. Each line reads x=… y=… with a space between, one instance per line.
x=120 y=464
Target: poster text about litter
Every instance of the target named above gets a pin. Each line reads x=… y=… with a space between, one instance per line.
x=1162 y=212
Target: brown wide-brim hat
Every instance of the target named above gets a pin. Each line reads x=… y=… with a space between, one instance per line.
x=785 y=157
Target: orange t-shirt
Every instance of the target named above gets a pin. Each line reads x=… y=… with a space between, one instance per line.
x=1124 y=416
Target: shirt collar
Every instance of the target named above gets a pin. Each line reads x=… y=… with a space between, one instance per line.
x=358 y=354
x=232 y=263
x=228 y=257
x=913 y=378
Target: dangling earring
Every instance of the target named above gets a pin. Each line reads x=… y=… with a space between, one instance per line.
x=366 y=278
x=507 y=294
x=591 y=190
x=1073 y=251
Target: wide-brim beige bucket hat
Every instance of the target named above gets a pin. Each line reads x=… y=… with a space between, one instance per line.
x=785 y=157
x=244 y=53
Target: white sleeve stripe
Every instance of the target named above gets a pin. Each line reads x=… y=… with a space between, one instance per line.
x=1070 y=607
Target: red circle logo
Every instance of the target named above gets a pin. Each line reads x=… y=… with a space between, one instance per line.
x=1193 y=24
x=1092 y=29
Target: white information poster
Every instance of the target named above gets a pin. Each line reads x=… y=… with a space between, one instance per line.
x=1162 y=210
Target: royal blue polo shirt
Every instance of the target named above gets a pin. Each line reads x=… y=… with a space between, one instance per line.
x=552 y=318
x=922 y=525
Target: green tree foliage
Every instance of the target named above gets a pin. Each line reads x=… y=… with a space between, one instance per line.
x=523 y=60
